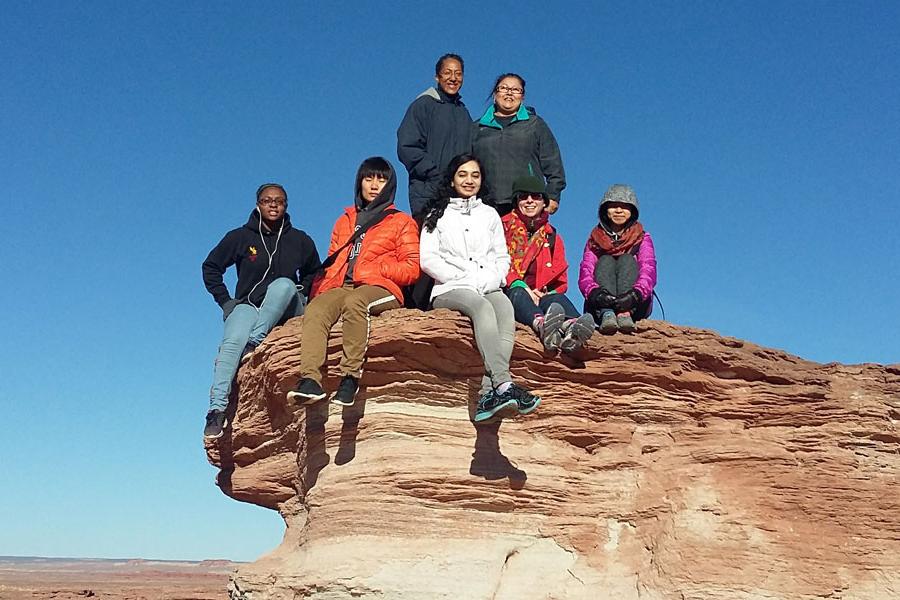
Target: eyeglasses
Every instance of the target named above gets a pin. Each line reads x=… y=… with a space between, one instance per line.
x=525 y=196
x=448 y=74
x=505 y=89
x=272 y=201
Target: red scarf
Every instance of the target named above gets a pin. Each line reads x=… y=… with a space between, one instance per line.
x=603 y=242
x=522 y=244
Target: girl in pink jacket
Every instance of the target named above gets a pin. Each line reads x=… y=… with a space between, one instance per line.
x=618 y=268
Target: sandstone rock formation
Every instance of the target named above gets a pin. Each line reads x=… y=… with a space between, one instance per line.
x=671 y=464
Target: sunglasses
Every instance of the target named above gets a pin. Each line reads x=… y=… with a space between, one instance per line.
x=526 y=195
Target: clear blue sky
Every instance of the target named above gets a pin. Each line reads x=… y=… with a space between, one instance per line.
x=763 y=140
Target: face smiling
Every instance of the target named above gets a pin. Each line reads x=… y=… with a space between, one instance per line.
x=618 y=214
x=508 y=96
x=530 y=205
x=371 y=186
x=271 y=204
x=467 y=179
x=450 y=77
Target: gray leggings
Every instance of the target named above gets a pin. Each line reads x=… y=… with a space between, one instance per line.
x=495 y=329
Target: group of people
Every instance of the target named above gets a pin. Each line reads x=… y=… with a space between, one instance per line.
x=481 y=195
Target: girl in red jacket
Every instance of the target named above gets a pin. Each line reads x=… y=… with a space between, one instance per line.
x=537 y=281
x=364 y=274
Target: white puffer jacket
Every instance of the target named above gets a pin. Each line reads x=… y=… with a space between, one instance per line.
x=467 y=248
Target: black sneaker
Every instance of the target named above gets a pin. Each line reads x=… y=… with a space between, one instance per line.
x=216 y=422
x=491 y=405
x=307 y=392
x=525 y=401
x=346 y=392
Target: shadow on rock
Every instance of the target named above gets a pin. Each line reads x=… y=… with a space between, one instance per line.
x=489 y=462
x=316 y=455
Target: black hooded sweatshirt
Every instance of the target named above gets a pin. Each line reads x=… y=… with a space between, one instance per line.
x=294 y=256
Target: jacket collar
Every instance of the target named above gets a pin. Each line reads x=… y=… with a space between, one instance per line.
x=441 y=96
x=488 y=120
x=464 y=205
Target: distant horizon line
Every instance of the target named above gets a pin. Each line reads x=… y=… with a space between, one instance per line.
x=11 y=557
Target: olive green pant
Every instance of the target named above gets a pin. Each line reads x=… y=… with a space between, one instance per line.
x=355 y=305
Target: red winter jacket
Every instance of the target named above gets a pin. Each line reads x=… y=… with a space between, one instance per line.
x=551 y=268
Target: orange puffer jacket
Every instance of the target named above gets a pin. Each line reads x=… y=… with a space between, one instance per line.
x=389 y=256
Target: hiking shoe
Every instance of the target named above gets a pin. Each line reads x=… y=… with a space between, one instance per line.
x=625 y=323
x=608 y=322
x=526 y=402
x=577 y=333
x=550 y=333
x=491 y=404
x=346 y=392
x=216 y=422
x=307 y=392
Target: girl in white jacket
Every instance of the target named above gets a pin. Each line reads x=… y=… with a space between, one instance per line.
x=464 y=249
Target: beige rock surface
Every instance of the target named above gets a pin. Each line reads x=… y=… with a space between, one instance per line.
x=668 y=465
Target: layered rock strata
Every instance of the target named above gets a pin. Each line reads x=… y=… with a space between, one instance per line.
x=671 y=464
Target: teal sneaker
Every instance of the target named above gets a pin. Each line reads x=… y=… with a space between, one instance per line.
x=491 y=404
x=525 y=401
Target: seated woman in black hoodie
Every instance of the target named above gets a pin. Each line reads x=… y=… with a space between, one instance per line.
x=275 y=266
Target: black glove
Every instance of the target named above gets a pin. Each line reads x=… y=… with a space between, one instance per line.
x=228 y=307
x=599 y=299
x=627 y=302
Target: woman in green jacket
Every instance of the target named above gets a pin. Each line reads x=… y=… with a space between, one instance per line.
x=512 y=141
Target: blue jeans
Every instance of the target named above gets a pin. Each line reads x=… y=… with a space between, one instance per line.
x=247 y=324
x=525 y=308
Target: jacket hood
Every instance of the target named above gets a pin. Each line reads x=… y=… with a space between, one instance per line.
x=623 y=194
x=254 y=225
x=384 y=198
x=441 y=96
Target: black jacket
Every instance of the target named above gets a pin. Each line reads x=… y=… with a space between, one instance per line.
x=435 y=129
x=295 y=257
x=524 y=147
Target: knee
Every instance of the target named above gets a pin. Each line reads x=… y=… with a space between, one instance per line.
x=627 y=260
x=513 y=292
x=355 y=304
x=282 y=286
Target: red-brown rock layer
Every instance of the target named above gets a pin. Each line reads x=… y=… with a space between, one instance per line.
x=671 y=464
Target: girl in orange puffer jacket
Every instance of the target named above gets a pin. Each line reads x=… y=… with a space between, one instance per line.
x=363 y=277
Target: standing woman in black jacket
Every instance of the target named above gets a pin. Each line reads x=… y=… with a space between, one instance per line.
x=512 y=141
x=436 y=127
x=275 y=267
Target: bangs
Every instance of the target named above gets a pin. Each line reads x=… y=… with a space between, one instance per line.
x=375 y=167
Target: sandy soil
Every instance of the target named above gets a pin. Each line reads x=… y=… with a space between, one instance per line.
x=77 y=579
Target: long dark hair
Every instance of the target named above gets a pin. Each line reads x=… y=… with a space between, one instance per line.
x=435 y=208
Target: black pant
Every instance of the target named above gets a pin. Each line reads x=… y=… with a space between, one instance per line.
x=616 y=275
x=526 y=310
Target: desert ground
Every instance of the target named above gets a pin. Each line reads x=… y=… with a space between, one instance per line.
x=30 y=578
